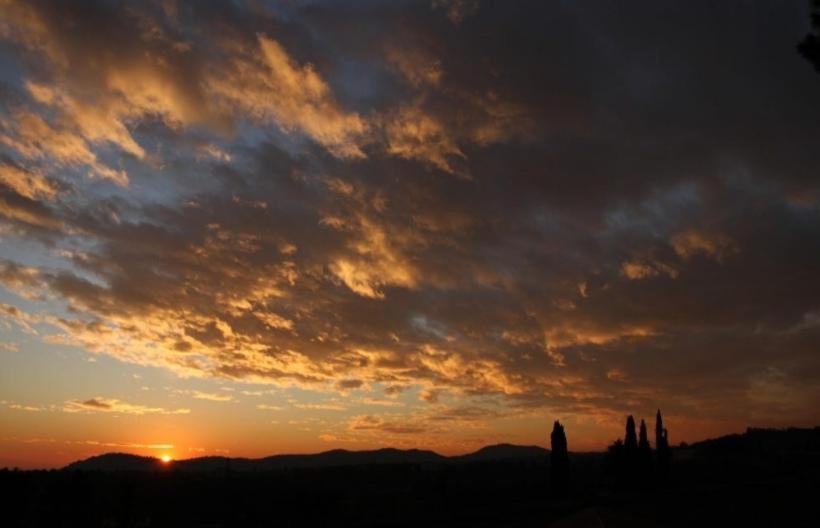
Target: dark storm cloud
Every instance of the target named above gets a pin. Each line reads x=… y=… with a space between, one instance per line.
x=573 y=206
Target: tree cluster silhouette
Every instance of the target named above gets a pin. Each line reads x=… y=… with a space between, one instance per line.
x=630 y=461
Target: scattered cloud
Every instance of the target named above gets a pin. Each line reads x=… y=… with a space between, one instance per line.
x=418 y=214
x=266 y=407
x=114 y=406
x=457 y=10
x=638 y=269
x=210 y=396
x=415 y=135
x=320 y=406
x=265 y=82
x=717 y=246
x=396 y=425
x=27 y=408
x=430 y=395
x=35 y=139
x=31 y=185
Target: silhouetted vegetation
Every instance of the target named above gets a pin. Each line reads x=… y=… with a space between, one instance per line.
x=645 y=464
x=630 y=461
x=630 y=438
x=663 y=453
x=809 y=47
x=559 y=460
x=763 y=477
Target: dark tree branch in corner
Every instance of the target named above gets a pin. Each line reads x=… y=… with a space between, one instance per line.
x=809 y=47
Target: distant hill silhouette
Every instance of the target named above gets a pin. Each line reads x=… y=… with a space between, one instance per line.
x=117 y=462
x=753 y=440
x=333 y=458
x=793 y=439
x=503 y=452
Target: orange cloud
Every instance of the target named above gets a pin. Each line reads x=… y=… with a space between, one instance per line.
x=417 y=67
x=643 y=269
x=30 y=184
x=21 y=213
x=210 y=396
x=34 y=138
x=717 y=246
x=416 y=135
x=95 y=122
x=378 y=258
x=114 y=406
x=570 y=334
x=268 y=85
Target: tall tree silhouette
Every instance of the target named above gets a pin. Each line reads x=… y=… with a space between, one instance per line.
x=644 y=454
x=631 y=439
x=630 y=458
x=643 y=441
x=809 y=47
x=664 y=454
x=658 y=430
x=559 y=460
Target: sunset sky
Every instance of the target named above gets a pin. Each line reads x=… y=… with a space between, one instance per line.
x=249 y=228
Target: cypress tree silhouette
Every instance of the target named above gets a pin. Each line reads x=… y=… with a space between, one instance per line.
x=559 y=460
x=631 y=439
x=658 y=430
x=644 y=454
x=664 y=454
x=630 y=458
x=643 y=441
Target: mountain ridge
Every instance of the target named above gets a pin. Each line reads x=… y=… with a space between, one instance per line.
x=752 y=440
x=330 y=458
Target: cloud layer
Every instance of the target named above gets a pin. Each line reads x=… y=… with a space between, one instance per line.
x=559 y=209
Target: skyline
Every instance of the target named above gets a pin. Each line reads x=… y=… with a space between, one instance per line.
x=253 y=228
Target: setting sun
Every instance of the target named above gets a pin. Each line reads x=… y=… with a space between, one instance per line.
x=166 y=459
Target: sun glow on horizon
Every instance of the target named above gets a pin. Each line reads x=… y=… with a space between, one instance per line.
x=166 y=459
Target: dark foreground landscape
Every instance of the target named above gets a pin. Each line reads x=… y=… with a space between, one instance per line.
x=760 y=478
